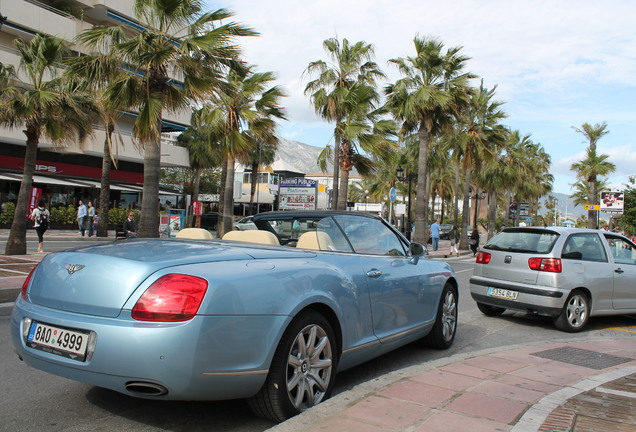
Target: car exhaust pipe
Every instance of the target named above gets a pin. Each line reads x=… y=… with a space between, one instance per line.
x=146 y=388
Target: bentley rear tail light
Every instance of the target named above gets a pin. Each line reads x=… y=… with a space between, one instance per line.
x=483 y=257
x=25 y=285
x=173 y=297
x=552 y=265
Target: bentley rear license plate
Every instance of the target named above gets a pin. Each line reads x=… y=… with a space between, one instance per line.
x=59 y=341
x=502 y=293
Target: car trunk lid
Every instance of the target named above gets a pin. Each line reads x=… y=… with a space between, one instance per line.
x=98 y=280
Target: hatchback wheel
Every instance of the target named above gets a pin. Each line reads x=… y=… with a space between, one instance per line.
x=575 y=313
x=303 y=370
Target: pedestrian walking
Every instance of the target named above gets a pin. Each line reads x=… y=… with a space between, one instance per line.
x=81 y=217
x=434 y=230
x=91 y=219
x=454 y=237
x=473 y=241
x=40 y=217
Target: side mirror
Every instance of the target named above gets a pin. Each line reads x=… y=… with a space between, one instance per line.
x=416 y=250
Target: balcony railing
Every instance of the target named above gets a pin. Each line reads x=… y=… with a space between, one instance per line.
x=50 y=9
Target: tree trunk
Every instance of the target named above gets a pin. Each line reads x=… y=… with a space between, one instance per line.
x=344 y=189
x=253 y=187
x=463 y=241
x=336 y=169
x=492 y=213
x=16 y=243
x=104 y=192
x=197 y=181
x=225 y=224
x=219 y=228
x=592 y=220
x=421 y=190
x=149 y=223
x=456 y=203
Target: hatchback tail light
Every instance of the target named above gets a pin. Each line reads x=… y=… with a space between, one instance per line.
x=483 y=257
x=552 y=265
x=25 y=285
x=173 y=297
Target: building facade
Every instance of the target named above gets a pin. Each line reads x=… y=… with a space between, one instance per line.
x=66 y=174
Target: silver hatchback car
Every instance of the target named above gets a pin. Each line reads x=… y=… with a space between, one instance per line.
x=569 y=274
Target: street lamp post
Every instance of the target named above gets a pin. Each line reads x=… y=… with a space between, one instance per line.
x=409 y=177
x=477 y=197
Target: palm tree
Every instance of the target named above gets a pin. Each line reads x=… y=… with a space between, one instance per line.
x=95 y=72
x=261 y=154
x=363 y=128
x=241 y=104
x=45 y=106
x=202 y=144
x=593 y=165
x=433 y=89
x=173 y=61
x=351 y=64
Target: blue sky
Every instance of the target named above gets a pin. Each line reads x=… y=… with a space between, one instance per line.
x=556 y=64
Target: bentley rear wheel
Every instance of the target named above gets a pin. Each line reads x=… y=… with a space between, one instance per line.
x=303 y=370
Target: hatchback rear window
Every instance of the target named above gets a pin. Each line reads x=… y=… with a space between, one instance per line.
x=523 y=241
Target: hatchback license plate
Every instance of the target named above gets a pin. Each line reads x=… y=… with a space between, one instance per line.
x=59 y=341
x=502 y=293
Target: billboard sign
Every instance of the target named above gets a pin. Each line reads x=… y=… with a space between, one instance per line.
x=612 y=202
x=297 y=194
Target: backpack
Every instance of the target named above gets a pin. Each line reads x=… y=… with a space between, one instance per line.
x=42 y=218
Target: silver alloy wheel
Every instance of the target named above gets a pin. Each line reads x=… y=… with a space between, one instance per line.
x=576 y=311
x=309 y=367
x=449 y=315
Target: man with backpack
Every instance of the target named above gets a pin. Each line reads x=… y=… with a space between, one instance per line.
x=40 y=217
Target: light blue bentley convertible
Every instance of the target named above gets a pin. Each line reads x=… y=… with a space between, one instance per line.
x=270 y=315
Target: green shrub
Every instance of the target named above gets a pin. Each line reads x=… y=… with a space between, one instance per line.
x=117 y=216
x=6 y=216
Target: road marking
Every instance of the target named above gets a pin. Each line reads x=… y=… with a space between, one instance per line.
x=462 y=271
x=621 y=329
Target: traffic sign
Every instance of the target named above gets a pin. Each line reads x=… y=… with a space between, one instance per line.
x=592 y=207
x=392 y=194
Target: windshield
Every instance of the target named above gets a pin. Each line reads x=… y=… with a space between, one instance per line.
x=523 y=241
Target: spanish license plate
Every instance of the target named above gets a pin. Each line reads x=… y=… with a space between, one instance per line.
x=502 y=293
x=59 y=341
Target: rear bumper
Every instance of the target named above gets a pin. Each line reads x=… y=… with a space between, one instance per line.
x=534 y=299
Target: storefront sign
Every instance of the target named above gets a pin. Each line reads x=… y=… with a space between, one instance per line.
x=65 y=169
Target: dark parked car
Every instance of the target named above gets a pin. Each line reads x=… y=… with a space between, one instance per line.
x=444 y=231
x=210 y=221
x=569 y=274
x=185 y=319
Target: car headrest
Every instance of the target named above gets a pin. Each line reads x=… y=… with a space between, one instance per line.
x=195 y=233
x=252 y=236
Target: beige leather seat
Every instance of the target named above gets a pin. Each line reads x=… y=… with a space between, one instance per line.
x=316 y=240
x=195 y=233
x=252 y=236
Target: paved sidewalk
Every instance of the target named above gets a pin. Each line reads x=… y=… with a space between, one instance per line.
x=567 y=387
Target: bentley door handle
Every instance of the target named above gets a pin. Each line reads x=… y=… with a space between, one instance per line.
x=374 y=274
